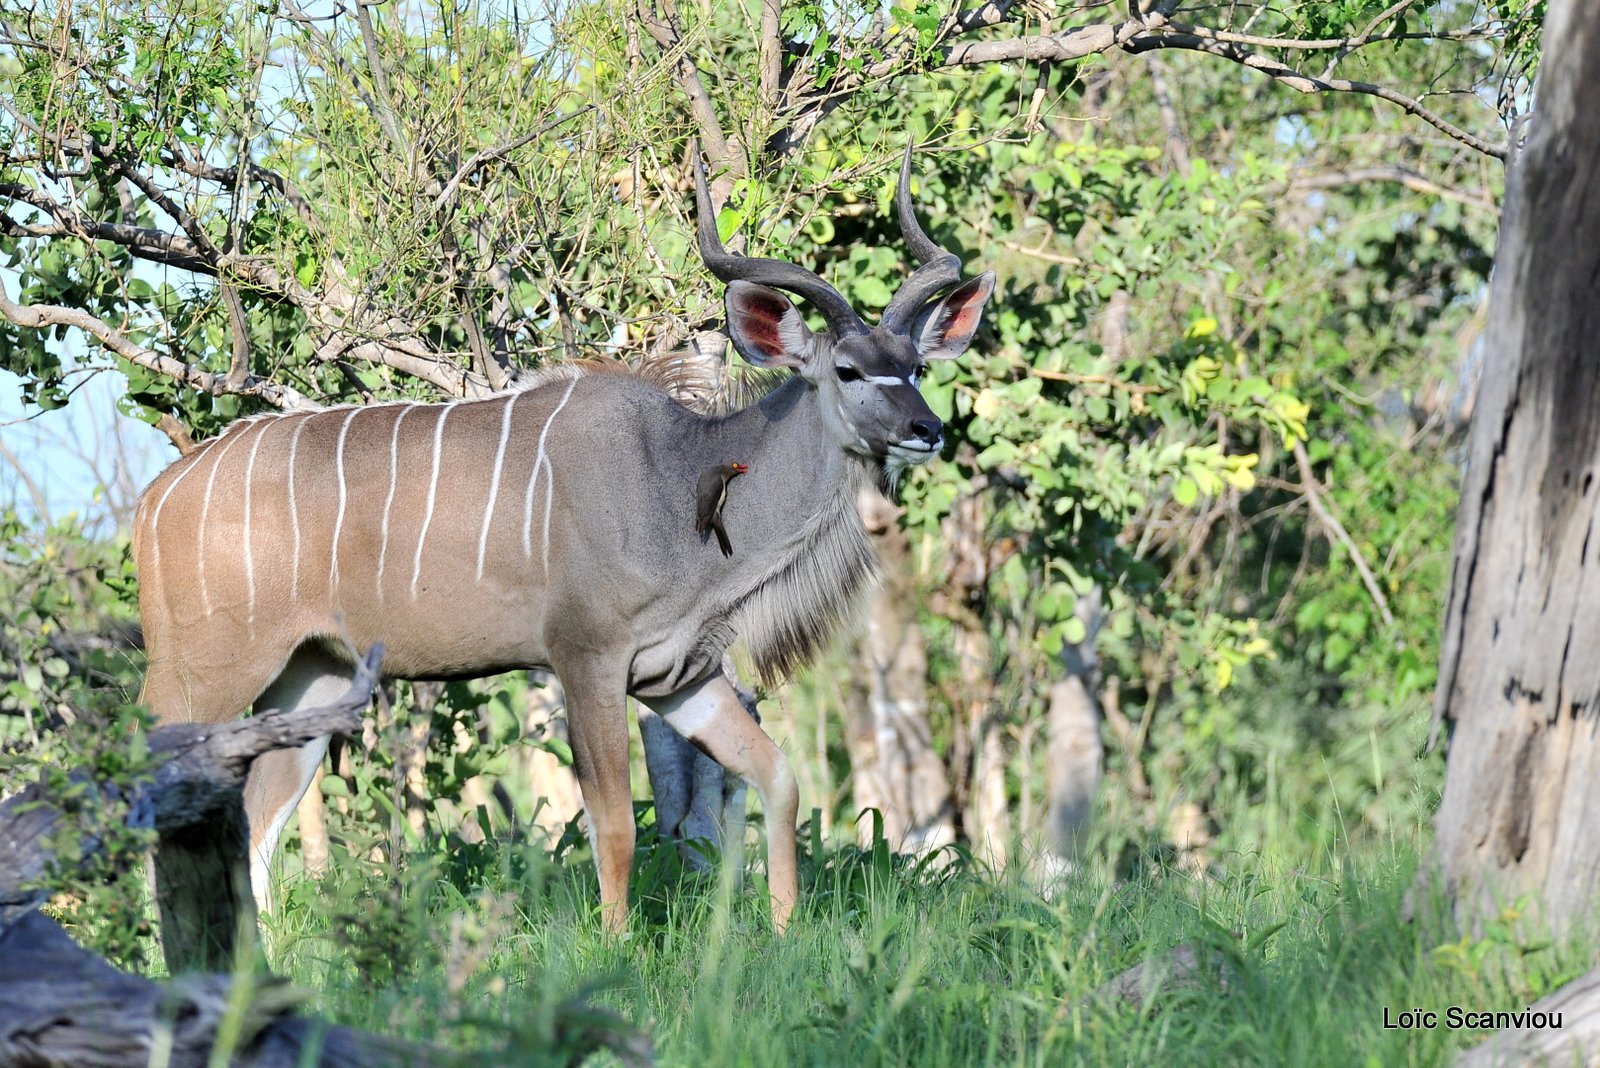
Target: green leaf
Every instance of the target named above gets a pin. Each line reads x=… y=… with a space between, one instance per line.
x=729 y=219
x=873 y=292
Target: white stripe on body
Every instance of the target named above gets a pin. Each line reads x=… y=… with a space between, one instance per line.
x=155 y=516
x=541 y=460
x=433 y=489
x=338 y=520
x=228 y=441
x=294 y=511
x=549 y=492
x=394 y=474
x=494 y=483
x=249 y=550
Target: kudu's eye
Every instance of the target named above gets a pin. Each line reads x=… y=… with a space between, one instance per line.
x=847 y=373
x=916 y=374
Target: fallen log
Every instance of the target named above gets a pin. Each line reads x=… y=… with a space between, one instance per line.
x=61 y=1004
x=194 y=803
x=1564 y=1029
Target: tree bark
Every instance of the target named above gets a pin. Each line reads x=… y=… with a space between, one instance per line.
x=1567 y=1034
x=63 y=1005
x=553 y=784
x=1074 y=753
x=986 y=810
x=896 y=769
x=1519 y=685
x=195 y=805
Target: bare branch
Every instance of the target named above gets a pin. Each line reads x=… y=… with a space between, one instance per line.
x=380 y=83
x=1145 y=30
x=1342 y=44
x=664 y=30
x=390 y=343
x=483 y=156
x=154 y=245
x=1067 y=45
x=228 y=176
x=1139 y=36
x=771 y=52
x=176 y=433
x=38 y=316
x=991 y=13
x=1393 y=11
x=158 y=196
x=1411 y=179
x=239 y=367
x=1319 y=508
x=1305 y=83
x=329 y=51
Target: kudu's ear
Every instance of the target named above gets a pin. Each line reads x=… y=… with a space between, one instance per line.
x=765 y=328
x=944 y=329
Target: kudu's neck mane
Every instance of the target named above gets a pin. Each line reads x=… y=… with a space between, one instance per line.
x=790 y=599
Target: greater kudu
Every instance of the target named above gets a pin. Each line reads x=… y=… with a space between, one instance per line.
x=555 y=526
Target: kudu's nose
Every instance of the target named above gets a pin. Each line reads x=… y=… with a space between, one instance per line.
x=929 y=430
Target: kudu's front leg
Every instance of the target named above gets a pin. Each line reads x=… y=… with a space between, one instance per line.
x=597 y=727
x=711 y=716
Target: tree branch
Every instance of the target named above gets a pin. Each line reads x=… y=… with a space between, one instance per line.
x=1305 y=83
x=771 y=53
x=483 y=156
x=380 y=84
x=239 y=366
x=1319 y=508
x=39 y=316
x=157 y=246
x=665 y=32
x=335 y=308
x=1411 y=179
x=991 y=13
x=1141 y=35
x=1142 y=32
x=228 y=177
x=1344 y=44
x=158 y=196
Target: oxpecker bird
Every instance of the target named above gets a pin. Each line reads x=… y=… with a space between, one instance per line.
x=709 y=499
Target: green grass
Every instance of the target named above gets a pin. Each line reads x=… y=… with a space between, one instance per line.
x=889 y=963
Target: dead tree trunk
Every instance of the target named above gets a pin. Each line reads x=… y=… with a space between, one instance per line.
x=1560 y=1029
x=986 y=808
x=1519 y=684
x=201 y=866
x=695 y=799
x=553 y=784
x=897 y=770
x=61 y=1004
x=1074 y=753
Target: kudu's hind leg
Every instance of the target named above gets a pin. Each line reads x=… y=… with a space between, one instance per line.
x=597 y=727
x=711 y=716
x=278 y=779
